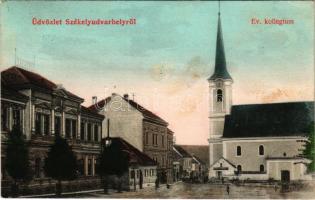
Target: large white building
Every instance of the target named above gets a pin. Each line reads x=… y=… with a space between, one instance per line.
x=257 y=141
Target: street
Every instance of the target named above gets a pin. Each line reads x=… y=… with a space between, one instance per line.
x=201 y=191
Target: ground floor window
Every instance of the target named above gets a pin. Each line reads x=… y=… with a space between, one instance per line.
x=37 y=167
x=4 y=118
x=57 y=125
x=261 y=168
x=90 y=167
x=16 y=118
x=46 y=124
x=81 y=166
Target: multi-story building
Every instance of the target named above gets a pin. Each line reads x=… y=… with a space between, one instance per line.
x=42 y=110
x=141 y=128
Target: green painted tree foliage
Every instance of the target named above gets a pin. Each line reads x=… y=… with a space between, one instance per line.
x=309 y=151
x=113 y=161
x=61 y=162
x=17 y=159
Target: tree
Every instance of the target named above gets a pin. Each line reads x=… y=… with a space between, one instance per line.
x=309 y=150
x=17 y=160
x=113 y=160
x=61 y=163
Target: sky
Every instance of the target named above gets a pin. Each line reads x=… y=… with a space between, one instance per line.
x=166 y=58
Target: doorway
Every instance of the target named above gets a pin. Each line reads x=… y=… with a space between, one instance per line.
x=285 y=176
x=219 y=174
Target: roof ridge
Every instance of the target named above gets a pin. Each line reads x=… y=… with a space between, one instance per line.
x=18 y=70
x=270 y=103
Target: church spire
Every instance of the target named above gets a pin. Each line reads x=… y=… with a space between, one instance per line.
x=220 y=70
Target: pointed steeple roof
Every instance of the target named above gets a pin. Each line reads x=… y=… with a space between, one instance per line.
x=220 y=70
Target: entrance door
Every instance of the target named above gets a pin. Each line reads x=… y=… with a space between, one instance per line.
x=285 y=176
x=219 y=174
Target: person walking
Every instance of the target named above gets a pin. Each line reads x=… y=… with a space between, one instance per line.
x=228 y=189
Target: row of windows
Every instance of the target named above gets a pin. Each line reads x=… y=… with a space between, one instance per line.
x=155 y=141
x=145 y=173
x=261 y=150
x=39 y=163
x=42 y=124
x=155 y=128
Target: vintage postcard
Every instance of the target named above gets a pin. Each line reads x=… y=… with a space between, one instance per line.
x=157 y=99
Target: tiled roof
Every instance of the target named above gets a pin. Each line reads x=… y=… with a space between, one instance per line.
x=198 y=159
x=200 y=151
x=19 y=78
x=146 y=113
x=9 y=93
x=88 y=111
x=182 y=151
x=170 y=132
x=268 y=120
x=134 y=154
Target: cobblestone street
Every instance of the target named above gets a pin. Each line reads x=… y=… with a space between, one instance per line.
x=186 y=190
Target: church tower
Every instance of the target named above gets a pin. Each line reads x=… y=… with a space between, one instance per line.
x=220 y=98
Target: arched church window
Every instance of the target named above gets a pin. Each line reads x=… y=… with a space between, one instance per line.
x=261 y=150
x=219 y=95
x=261 y=168
x=238 y=151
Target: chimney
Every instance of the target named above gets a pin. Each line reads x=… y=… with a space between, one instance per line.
x=126 y=96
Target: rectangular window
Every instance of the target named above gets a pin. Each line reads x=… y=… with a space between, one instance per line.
x=57 y=125
x=16 y=118
x=95 y=132
x=46 y=124
x=153 y=137
x=4 y=118
x=68 y=128
x=74 y=129
x=156 y=139
x=38 y=124
x=89 y=167
x=81 y=166
x=162 y=140
x=146 y=138
x=89 y=134
x=82 y=130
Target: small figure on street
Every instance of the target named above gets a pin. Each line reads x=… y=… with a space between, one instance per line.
x=156 y=183
x=228 y=189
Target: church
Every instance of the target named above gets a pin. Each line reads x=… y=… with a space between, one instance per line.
x=255 y=141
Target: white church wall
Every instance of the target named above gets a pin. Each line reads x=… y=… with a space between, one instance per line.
x=250 y=160
x=297 y=170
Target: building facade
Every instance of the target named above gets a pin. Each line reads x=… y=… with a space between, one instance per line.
x=42 y=110
x=257 y=141
x=141 y=128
